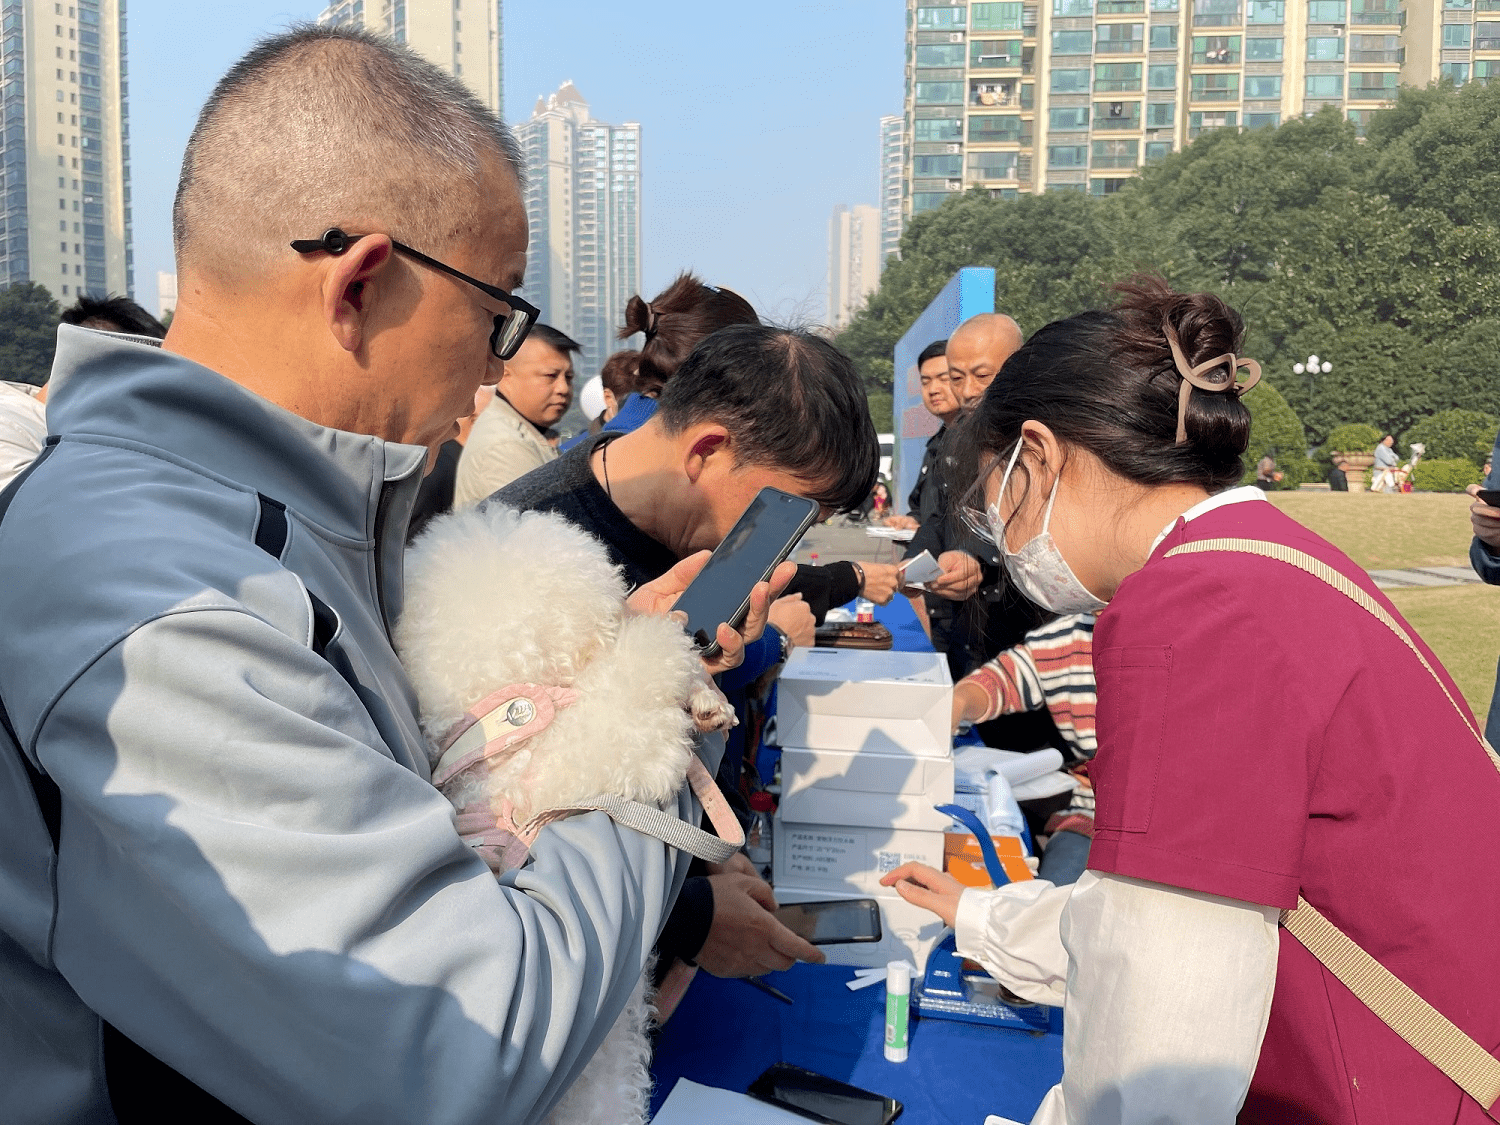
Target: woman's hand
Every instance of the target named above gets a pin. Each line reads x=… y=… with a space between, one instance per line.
x=970 y=702
x=660 y=595
x=926 y=887
x=882 y=580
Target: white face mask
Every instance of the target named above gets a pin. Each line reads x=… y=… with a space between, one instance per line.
x=1038 y=568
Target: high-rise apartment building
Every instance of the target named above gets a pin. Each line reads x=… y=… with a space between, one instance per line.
x=465 y=39
x=66 y=142
x=583 y=207
x=854 y=260
x=1077 y=95
x=892 y=166
x=1457 y=40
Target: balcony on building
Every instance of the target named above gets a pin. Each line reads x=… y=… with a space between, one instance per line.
x=1216 y=13
x=1119 y=38
x=1365 y=50
x=1383 y=12
x=995 y=93
x=1204 y=121
x=1117 y=117
x=995 y=54
x=1215 y=88
x=1216 y=50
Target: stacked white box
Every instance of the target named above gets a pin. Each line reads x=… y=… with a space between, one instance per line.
x=866 y=755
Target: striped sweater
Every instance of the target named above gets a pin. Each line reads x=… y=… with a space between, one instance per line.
x=1052 y=668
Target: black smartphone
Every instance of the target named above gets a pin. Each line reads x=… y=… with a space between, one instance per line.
x=811 y=1095
x=833 y=922
x=1490 y=496
x=759 y=541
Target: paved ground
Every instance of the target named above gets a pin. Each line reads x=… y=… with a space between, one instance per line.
x=831 y=542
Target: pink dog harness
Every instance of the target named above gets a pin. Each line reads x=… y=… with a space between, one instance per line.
x=499 y=722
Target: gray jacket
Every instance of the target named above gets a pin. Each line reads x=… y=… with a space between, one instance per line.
x=255 y=882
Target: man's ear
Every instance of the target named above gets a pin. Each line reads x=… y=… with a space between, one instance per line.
x=705 y=443
x=347 y=289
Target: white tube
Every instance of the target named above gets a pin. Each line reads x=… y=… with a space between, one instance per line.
x=897 y=1010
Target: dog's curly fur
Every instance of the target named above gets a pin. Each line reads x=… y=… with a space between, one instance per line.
x=496 y=597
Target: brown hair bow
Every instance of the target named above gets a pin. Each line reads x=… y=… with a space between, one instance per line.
x=1216 y=376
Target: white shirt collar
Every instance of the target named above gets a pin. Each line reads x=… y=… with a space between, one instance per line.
x=1229 y=496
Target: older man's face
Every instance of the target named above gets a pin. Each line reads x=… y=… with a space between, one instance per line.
x=439 y=355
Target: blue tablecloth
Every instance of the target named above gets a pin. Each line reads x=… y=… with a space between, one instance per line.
x=906 y=631
x=725 y=1033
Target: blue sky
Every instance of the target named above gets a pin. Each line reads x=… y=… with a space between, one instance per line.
x=757 y=118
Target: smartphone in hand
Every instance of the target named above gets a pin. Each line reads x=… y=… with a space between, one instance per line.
x=758 y=543
x=1490 y=496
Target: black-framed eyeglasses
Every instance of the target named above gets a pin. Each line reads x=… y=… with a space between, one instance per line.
x=511 y=326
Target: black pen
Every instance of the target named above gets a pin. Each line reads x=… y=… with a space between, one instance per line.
x=757 y=982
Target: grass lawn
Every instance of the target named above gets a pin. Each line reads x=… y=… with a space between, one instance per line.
x=1382 y=532
x=1462 y=625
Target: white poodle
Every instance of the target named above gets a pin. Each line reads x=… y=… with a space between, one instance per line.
x=541 y=694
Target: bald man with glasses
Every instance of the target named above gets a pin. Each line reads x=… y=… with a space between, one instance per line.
x=231 y=891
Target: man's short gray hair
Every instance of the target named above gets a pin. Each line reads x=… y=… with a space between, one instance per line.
x=321 y=127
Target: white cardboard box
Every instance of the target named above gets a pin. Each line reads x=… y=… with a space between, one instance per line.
x=852 y=699
x=847 y=859
x=906 y=930
x=865 y=787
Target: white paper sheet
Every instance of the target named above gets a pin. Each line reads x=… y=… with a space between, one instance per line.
x=692 y=1104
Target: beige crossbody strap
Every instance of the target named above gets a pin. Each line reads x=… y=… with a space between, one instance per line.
x=1433 y=1035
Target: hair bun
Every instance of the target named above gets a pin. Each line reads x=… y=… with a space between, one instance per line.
x=639 y=317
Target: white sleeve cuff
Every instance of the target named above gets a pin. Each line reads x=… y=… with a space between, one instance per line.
x=1014 y=931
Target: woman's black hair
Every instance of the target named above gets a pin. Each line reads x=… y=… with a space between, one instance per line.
x=791 y=401
x=1105 y=381
x=673 y=322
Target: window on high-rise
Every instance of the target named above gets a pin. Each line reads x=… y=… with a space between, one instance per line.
x=1067 y=156
x=1263 y=50
x=939 y=93
x=1325 y=11
x=1216 y=87
x=1263 y=87
x=1377 y=86
x=1116 y=154
x=1202 y=122
x=1157 y=151
x=1266 y=11
x=1485 y=69
x=1463 y=4
x=1455 y=72
x=1162 y=76
x=1068 y=119
x=994 y=53
x=1072 y=42
x=939 y=19
x=1457 y=36
x=1108 y=186
x=1072 y=7
x=1119 y=7
x=1375 y=11
x=1325 y=48
x=995 y=17
x=1215 y=13
x=1117 y=115
x=1262 y=120
x=1164 y=5
x=995 y=92
x=1070 y=81
x=946 y=166
x=1119 y=38
x=1325 y=85
x=1161 y=115
x=1216 y=49
x=938 y=129
x=940 y=54
x=1487 y=35
x=992 y=127
x=1116 y=78
x=930 y=200
x=1164 y=37
x=992 y=165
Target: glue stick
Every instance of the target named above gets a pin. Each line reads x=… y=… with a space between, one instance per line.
x=897 y=1009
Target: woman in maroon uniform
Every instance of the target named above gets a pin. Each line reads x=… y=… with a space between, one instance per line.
x=1269 y=732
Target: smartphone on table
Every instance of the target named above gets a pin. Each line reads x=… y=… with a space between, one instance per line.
x=833 y=922
x=814 y=1096
x=758 y=543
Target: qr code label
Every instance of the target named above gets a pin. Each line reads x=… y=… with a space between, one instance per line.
x=887 y=861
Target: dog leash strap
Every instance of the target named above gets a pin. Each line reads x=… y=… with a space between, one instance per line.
x=675 y=833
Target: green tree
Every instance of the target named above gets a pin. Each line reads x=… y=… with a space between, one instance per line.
x=1275 y=429
x=880 y=411
x=28 y=333
x=1440 y=149
x=1451 y=434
